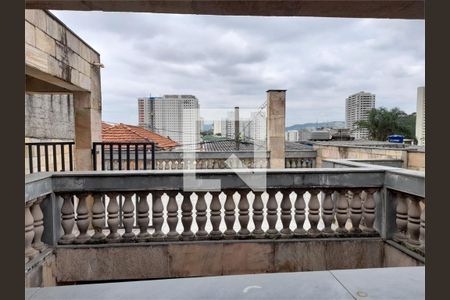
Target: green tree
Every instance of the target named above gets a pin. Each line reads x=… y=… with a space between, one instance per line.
x=382 y=122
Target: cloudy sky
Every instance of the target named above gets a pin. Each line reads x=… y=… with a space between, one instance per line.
x=229 y=61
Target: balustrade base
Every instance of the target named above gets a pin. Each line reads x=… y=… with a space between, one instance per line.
x=143 y=237
x=158 y=237
x=229 y=234
x=81 y=239
x=215 y=235
x=400 y=237
x=113 y=238
x=188 y=237
x=39 y=246
x=171 y=236
x=201 y=237
x=272 y=234
x=67 y=240
x=128 y=237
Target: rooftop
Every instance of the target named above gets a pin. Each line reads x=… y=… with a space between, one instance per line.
x=379 y=283
x=374 y=144
x=230 y=146
x=134 y=134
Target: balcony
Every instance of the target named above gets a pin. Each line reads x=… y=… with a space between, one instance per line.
x=127 y=225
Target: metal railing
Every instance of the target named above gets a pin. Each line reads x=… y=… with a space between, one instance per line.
x=123 y=155
x=50 y=156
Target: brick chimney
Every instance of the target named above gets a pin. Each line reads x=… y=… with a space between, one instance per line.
x=276 y=115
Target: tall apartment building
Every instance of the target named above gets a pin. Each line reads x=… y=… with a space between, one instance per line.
x=217 y=127
x=291 y=135
x=357 y=107
x=420 y=116
x=253 y=129
x=258 y=126
x=175 y=116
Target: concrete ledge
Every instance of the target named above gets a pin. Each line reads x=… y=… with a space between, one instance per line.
x=40 y=271
x=213 y=258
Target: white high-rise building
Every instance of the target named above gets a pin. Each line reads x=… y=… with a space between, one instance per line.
x=258 y=126
x=175 y=116
x=420 y=116
x=291 y=135
x=217 y=127
x=229 y=125
x=253 y=129
x=357 y=107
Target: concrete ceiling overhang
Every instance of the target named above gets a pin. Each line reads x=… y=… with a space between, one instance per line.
x=394 y=9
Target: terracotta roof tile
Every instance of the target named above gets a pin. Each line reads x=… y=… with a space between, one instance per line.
x=134 y=134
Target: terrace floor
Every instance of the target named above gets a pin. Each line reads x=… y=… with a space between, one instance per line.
x=379 y=283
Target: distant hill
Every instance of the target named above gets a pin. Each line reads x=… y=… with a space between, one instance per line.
x=333 y=124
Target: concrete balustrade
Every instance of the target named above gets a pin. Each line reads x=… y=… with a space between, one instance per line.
x=170 y=160
x=153 y=207
x=275 y=210
x=410 y=221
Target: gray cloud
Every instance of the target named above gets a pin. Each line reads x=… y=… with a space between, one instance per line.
x=227 y=61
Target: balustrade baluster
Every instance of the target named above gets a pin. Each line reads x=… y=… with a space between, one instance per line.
x=243 y=215
x=258 y=215
x=422 y=228
x=30 y=252
x=413 y=221
x=369 y=211
x=288 y=163
x=201 y=219
x=215 y=216
x=38 y=218
x=142 y=210
x=356 y=211
x=314 y=212
x=401 y=217
x=67 y=220
x=286 y=215
x=128 y=218
x=157 y=215
x=230 y=215
x=83 y=220
x=342 y=211
x=327 y=211
x=113 y=219
x=186 y=217
x=172 y=216
x=272 y=214
x=299 y=206
x=98 y=218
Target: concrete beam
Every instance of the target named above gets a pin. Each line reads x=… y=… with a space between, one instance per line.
x=35 y=85
x=38 y=81
x=396 y=9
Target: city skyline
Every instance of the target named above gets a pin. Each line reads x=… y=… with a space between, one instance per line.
x=232 y=61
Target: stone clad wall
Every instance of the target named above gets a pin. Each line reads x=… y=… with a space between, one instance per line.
x=49 y=117
x=58 y=61
x=50 y=47
x=216 y=258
